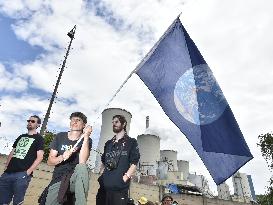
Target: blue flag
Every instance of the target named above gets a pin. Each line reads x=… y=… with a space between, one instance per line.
x=183 y=84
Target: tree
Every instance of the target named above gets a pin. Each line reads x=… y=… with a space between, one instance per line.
x=48 y=137
x=266 y=145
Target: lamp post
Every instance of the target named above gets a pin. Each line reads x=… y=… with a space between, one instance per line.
x=71 y=36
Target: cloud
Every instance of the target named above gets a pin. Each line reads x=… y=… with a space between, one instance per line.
x=11 y=81
x=111 y=39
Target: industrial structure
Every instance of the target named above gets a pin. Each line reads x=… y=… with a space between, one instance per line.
x=242 y=187
x=183 y=167
x=253 y=194
x=223 y=191
x=169 y=156
x=150 y=155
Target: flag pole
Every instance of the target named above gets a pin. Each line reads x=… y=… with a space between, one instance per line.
x=155 y=46
x=53 y=96
x=141 y=62
x=112 y=98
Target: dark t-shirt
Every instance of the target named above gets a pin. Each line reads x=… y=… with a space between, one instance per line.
x=112 y=179
x=61 y=143
x=25 y=153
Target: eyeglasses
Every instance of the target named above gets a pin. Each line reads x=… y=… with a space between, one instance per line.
x=32 y=121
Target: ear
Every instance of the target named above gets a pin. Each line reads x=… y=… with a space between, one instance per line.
x=37 y=126
x=124 y=125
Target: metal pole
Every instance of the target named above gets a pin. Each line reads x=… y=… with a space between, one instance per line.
x=43 y=128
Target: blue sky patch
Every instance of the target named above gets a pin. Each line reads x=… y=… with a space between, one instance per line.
x=13 y=49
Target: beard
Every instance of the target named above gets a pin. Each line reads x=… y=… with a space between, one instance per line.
x=29 y=127
x=117 y=129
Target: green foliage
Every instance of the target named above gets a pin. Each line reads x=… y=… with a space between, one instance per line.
x=48 y=137
x=264 y=199
x=266 y=145
x=261 y=199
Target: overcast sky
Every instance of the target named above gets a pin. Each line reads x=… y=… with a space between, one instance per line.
x=234 y=37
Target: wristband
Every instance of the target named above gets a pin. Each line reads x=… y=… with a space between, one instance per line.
x=128 y=175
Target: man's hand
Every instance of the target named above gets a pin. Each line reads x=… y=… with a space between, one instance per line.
x=87 y=131
x=125 y=178
x=67 y=154
x=28 y=172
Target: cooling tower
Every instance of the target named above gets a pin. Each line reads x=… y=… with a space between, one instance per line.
x=183 y=166
x=149 y=148
x=171 y=157
x=107 y=129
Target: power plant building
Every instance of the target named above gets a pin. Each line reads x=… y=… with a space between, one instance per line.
x=253 y=194
x=183 y=166
x=242 y=187
x=202 y=183
x=223 y=192
x=169 y=156
x=149 y=146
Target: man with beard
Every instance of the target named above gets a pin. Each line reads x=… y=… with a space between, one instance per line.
x=25 y=156
x=119 y=162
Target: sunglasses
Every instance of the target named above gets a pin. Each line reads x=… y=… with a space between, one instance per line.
x=32 y=121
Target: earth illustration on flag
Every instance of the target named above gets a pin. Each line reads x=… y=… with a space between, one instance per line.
x=198 y=97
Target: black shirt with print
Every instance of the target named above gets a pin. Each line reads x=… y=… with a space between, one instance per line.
x=128 y=147
x=61 y=143
x=25 y=153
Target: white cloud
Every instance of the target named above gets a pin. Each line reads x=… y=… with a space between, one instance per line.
x=233 y=36
x=11 y=81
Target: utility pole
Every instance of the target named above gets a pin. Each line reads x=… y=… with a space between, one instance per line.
x=71 y=36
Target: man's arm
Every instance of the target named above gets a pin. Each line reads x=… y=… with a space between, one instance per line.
x=38 y=160
x=9 y=158
x=102 y=167
x=134 y=157
x=129 y=173
x=85 y=151
x=53 y=159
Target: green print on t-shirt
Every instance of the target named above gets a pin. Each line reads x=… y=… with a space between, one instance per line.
x=22 y=147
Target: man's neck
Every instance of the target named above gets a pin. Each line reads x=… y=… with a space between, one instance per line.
x=120 y=135
x=74 y=135
x=32 y=132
